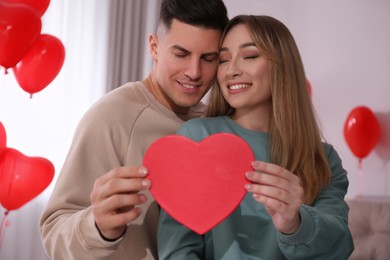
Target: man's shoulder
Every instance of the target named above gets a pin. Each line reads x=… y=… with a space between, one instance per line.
x=128 y=96
x=124 y=103
x=135 y=92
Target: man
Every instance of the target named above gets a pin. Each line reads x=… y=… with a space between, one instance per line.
x=101 y=207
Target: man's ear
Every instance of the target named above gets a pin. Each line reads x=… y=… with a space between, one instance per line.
x=153 y=44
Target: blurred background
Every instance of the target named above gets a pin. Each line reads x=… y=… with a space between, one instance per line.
x=344 y=46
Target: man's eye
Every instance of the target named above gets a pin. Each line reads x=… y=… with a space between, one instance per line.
x=210 y=59
x=180 y=55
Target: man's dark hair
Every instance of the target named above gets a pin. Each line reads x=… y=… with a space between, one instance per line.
x=210 y=14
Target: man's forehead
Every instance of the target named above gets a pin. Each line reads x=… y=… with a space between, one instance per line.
x=189 y=37
x=177 y=26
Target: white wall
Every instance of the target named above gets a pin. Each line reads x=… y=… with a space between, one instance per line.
x=345 y=47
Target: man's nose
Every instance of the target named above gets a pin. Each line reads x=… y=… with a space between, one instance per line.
x=193 y=70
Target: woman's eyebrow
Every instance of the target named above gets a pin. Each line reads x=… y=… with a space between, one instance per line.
x=244 y=45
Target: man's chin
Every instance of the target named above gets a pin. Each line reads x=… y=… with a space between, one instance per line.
x=183 y=107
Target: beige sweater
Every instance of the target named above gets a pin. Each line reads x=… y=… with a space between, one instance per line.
x=116 y=131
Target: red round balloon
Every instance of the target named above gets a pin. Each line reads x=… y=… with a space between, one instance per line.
x=20 y=26
x=309 y=87
x=383 y=147
x=39 y=6
x=3 y=139
x=41 y=64
x=22 y=178
x=362 y=131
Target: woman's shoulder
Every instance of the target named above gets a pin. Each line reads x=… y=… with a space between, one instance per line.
x=330 y=151
x=334 y=159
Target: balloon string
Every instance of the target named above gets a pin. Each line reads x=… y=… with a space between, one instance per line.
x=386 y=180
x=360 y=167
x=4 y=223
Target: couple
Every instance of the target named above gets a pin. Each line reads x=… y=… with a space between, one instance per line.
x=294 y=209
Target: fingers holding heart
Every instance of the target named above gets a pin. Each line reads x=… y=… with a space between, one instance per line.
x=120 y=180
x=115 y=197
x=121 y=206
x=276 y=188
x=273 y=181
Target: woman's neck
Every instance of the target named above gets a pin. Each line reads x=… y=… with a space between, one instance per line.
x=255 y=120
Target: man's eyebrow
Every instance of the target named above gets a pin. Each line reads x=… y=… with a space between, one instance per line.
x=178 y=47
x=244 y=45
x=207 y=54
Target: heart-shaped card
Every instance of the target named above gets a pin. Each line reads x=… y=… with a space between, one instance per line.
x=199 y=184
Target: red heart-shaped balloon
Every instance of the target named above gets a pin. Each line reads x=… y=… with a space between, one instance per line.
x=3 y=139
x=20 y=25
x=22 y=178
x=199 y=184
x=41 y=64
x=39 y=6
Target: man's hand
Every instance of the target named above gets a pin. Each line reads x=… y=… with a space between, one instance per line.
x=114 y=197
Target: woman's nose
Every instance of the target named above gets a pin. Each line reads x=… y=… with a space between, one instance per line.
x=233 y=70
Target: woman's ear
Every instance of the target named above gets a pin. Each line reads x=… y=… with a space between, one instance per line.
x=153 y=44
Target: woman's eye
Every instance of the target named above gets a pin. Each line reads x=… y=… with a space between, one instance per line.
x=249 y=57
x=222 y=59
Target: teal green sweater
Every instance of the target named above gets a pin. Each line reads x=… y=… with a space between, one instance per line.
x=249 y=233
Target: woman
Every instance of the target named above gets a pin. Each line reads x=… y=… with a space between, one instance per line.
x=295 y=207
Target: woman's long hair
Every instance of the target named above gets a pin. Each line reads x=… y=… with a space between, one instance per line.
x=296 y=140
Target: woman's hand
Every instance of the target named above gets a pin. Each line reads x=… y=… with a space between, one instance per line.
x=280 y=192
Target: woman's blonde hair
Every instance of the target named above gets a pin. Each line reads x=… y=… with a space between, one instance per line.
x=296 y=140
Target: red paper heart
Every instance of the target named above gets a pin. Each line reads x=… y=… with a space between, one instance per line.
x=199 y=184
x=22 y=178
